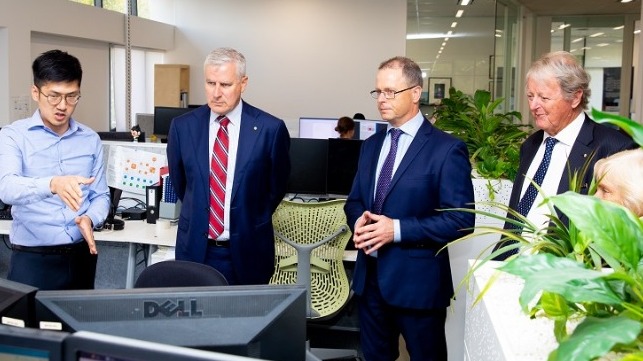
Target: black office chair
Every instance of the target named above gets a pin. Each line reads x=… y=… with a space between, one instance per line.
x=175 y=273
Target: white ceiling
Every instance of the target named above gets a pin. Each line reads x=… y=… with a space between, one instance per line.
x=434 y=18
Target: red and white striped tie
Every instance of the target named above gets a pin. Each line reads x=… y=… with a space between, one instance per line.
x=218 y=175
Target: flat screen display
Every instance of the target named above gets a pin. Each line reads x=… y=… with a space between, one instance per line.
x=17 y=304
x=324 y=128
x=30 y=344
x=262 y=321
x=163 y=118
x=90 y=346
x=121 y=136
x=308 y=161
x=343 y=155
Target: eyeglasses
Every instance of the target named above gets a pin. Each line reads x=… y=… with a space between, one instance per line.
x=388 y=94
x=71 y=99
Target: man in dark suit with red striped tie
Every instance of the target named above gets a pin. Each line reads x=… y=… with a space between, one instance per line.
x=229 y=164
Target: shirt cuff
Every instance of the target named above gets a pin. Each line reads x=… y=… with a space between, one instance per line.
x=397 y=233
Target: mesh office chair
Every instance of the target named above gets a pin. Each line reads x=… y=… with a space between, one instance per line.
x=310 y=239
x=175 y=273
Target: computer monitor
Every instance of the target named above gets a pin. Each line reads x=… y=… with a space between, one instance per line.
x=17 y=304
x=121 y=136
x=307 y=166
x=262 y=321
x=163 y=118
x=31 y=344
x=343 y=155
x=91 y=346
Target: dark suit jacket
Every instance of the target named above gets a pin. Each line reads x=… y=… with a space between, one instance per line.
x=434 y=174
x=261 y=174
x=593 y=137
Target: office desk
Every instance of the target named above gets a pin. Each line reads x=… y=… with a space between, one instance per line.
x=135 y=232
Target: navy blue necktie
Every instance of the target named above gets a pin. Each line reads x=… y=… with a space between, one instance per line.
x=384 y=180
x=528 y=198
x=530 y=194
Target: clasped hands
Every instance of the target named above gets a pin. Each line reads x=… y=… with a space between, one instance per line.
x=372 y=231
x=69 y=190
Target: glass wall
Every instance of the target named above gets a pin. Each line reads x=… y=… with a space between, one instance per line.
x=503 y=65
x=598 y=42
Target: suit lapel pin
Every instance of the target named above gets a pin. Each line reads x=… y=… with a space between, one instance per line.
x=585 y=155
x=255 y=128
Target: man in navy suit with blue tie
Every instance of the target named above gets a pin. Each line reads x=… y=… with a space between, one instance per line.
x=229 y=165
x=406 y=175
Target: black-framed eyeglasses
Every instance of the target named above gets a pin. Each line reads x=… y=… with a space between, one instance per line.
x=388 y=94
x=71 y=99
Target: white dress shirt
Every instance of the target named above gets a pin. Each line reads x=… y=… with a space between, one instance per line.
x=538 y=214
x=233 y=141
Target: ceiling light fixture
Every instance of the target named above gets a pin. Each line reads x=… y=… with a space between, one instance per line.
x=625 y=1
x=459 y=13
x=465 y=2
x=454 y=24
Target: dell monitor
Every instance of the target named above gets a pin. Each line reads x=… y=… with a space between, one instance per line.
x=262 y=321
x=343 y=155
x=91 y=346
x=17 y=303
x=163 y=118
x=31 y=344
x=307 y=166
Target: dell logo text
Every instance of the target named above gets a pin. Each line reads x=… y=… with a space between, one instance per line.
x=170 y=308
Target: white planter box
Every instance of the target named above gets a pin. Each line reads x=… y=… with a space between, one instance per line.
x=461 y=253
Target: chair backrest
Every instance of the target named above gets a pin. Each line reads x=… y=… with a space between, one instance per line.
x=175 y=273
x=318 y=235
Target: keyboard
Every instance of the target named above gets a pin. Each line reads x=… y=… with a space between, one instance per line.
x=5 y=214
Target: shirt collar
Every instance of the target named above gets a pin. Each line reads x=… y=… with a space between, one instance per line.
x=36 y=122
x=412 y=126
x=234 y=115
x=568 y=134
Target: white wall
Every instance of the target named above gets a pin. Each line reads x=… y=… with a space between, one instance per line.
x=305 y=58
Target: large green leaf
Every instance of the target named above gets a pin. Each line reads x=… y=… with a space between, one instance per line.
x=595 y=337
x=568 y=278
x=634 y=129
x=615 y=229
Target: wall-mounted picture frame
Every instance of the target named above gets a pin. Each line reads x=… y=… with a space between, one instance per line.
x=438 y=89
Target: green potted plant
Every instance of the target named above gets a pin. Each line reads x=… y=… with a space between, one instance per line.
x=590 y=273
x=493 y=138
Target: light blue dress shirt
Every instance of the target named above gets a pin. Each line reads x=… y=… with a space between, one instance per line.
x=30 y=156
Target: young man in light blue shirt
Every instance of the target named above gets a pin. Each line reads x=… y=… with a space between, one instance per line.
x=52 y=174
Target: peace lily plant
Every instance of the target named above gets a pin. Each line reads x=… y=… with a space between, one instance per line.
x=589 y=275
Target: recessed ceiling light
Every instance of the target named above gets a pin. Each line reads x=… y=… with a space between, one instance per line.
x=454 y=24
x=459 y=13
x=596 y=34
x=465 y=2
x=625 y=1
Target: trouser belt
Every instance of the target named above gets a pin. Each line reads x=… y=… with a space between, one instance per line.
x=60 y=249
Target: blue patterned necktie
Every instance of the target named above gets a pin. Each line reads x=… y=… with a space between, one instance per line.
x=528 y=198
x=384 y=180
x=530 y=195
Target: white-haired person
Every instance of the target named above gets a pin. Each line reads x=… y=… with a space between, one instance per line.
x=619 y=179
